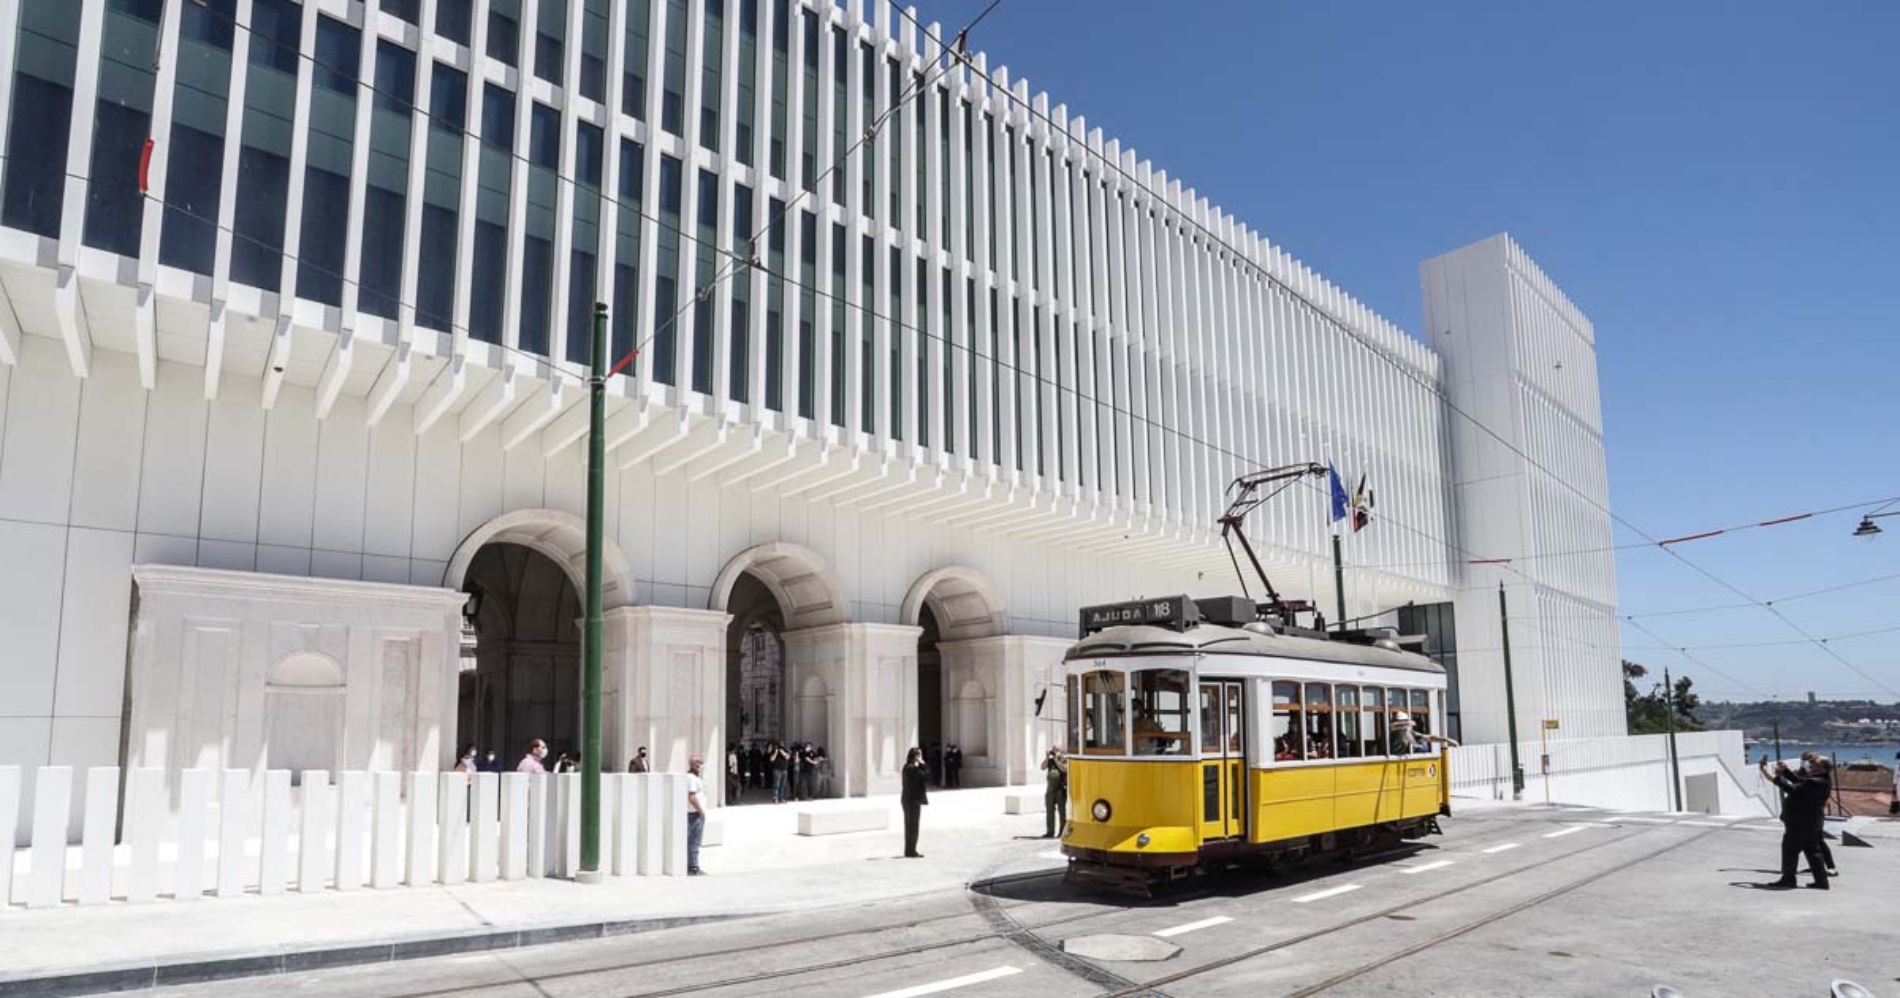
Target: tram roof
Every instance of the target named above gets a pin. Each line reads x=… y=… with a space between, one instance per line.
x=1219 y=640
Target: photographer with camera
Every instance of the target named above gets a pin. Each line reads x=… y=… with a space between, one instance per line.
x=1055 y=794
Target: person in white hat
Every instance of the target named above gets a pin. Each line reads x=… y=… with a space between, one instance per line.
x=1407 y=739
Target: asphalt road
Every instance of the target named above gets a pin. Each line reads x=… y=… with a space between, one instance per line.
x=1545 y=903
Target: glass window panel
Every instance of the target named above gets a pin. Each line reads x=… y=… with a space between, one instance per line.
x=1103 y=713
x=537 y=293
x=504 y=30
x=1073 y=700
x=711 y=75
x=122 y=121
x=672 y=96
x=1319 y=721
x=1421 y=711
x=435 y=288
x=491 y=266
x=594 y=51
x=550 y=33
x=1372 y=727
x=544 y=137
x=1212 y=716
x=1162 y=711
x=1346 y=716
x=633 y=92
x=454 y=19
x=1289 y=743
x=448 y=98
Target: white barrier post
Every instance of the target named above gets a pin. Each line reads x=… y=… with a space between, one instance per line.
x=514 y=826
x=101 y=822
x=422 y=796
x=538 y=810
x=188 y=873
x=234 y=821
x=484 y=817
x=273 y=861
x=145 y=826
x=626 y=832
x=568 y=837
x=313 y=860
x=52 y=798
x=651 y=841
x=352 y=814
x=452 y=826
x=386 y=831
x=673 y=824
x=9 y=820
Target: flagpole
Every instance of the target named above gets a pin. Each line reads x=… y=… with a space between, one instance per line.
x=1339 y=578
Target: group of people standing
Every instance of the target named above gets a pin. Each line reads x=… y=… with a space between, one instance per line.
x=795 y=771
x=946 y=765
x=533 y=760
x=1805 y=791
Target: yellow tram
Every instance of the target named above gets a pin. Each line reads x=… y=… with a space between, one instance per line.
x=1210 y=732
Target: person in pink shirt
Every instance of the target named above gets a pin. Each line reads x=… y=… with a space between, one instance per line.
x=531 y=763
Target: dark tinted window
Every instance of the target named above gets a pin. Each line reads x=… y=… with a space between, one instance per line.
x=448 y=98
x=454 y=19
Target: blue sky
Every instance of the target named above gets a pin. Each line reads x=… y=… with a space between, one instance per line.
x=1719 y=193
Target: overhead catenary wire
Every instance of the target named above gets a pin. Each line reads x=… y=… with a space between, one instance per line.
x=1666 y=544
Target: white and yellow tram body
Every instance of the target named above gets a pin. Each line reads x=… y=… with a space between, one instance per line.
x=1204 y=744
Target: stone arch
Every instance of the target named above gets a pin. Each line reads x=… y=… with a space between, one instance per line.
x=305 y=670
x=807 y=593
x=562 y=537
x=962 y=600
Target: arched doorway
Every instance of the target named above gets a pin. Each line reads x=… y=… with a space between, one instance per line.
x=954 y=606
x=756 y=693
x=523 y=681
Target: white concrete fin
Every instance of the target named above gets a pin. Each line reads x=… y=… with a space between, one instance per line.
x=235 y=825
x=421 y=828
x=351 y=825
x=539 y=809
x=194 y=798
x=273 y=861
x=625 y=824
x=100 y=822
x=386 y=834
x=9 y=818
x=514 y=826
x=672 y=818
x=650 y=845
x=567 y=828
x=145 y=828
x=485 y=833
x=313 y=844
x=390 y=382
x=46 y=869
x=451 y=816
x=442 y=395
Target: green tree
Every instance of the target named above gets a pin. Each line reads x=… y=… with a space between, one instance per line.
x=1648 y=712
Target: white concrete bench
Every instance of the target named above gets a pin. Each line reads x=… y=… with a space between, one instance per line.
x=1022 y=802
x=714 y=832
x=839 y=819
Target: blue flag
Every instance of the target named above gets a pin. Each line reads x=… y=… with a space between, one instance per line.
x=1341 y=502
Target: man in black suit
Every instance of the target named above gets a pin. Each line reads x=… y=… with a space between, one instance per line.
x=1803 y=814
x=916 y=775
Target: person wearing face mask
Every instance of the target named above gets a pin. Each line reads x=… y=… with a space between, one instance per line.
x=531 y=762
x=639 y=762
x=469 y=762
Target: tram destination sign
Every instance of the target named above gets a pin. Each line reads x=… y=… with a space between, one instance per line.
x=1173 y=612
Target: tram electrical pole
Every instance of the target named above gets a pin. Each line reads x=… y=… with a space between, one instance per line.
x=1510 y=697
x=589 y=872
x=1675 y=763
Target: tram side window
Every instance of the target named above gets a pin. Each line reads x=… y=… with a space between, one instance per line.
x=1289 y=744
x=1372 y=725
x=1422 y=712
x=1319 y=721
x=1346 y=717
x=1162 y=712
x=1402 y=740
x=1073 y=701
x=1102 y=713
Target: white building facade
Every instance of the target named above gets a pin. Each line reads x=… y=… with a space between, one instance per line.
x=916 y=366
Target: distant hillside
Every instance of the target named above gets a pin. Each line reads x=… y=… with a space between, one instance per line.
x=1839 y=722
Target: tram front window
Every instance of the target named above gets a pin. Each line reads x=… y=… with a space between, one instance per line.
x=1319 y=721
x=1161 y=711
x=1073 y=713
x=1102 y=713
x=1288 y=743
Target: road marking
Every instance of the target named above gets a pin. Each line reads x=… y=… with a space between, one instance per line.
x=1561 y=832
x=1205 y=923
x=1409 y=870
x=1708 y=824
x=1507 y=845
x=1652 y=821
x=955 y=982
x=1333 y=892
x=1057 y=854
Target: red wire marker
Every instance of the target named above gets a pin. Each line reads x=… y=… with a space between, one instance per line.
x=145 y=167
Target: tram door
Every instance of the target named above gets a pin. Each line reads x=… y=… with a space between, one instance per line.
x=1223 y=761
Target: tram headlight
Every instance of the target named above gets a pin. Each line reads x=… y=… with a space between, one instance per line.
x=1101 y=810
x=1142 y=840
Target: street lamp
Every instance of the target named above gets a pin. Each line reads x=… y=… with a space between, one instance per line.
x=1868 y=528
